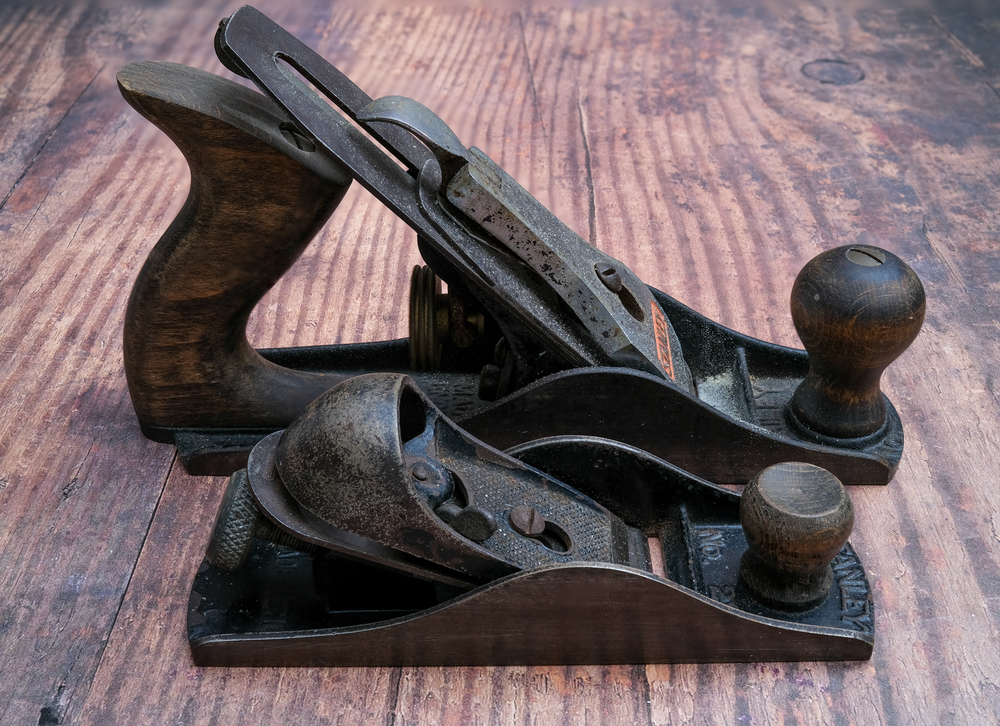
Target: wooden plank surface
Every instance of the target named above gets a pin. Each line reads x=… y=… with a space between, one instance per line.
x=686 y=142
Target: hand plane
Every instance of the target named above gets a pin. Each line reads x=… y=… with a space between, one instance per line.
x=374 y=531
x=539 y=333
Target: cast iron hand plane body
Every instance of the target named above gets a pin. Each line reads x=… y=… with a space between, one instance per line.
x=539 y=333
x=531 y=477
x=375 y=531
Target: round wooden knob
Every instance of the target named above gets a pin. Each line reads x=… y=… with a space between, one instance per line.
x=856 y=309
x=796 y=518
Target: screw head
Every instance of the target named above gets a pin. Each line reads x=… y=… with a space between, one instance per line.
x=526 y=521
x=432 y=480
x=609 y=276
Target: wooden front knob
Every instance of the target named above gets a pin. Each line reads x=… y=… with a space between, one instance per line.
x=796 y=518
x=856 y=309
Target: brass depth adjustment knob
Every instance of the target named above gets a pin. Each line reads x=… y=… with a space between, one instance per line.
x=436 y=318
x=856 y=309
x=796 y=518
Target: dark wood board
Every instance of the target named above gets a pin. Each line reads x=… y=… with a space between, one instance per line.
x=684 y=140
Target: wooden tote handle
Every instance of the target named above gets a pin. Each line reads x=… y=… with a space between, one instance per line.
x=258 y=196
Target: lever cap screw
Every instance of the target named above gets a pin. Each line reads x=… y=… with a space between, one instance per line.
x=526 y=521
x=609 y=276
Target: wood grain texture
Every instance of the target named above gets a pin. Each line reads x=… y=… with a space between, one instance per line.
x=252 y=208
x=685 y=141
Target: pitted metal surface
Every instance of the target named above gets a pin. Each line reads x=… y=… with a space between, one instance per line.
x=525 y=267
x=376 y=458
x=619 y=317
x=499 y=484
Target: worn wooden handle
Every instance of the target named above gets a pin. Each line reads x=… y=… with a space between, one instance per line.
x=258 y=196
x=796 y=518
x=856 y=309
